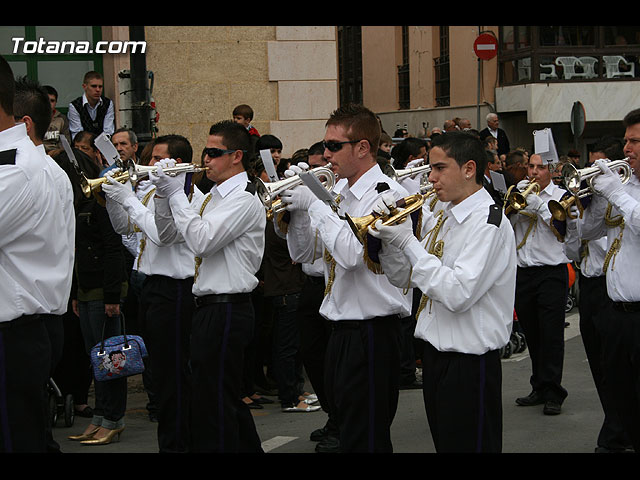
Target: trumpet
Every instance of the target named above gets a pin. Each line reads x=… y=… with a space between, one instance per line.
x=561 y=209
x=268 y=192
x=135 y=174
x=518 y=200
x=410 y=204
x=572 y=177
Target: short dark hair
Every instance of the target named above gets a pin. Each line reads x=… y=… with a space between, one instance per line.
x=408 y=147
x=133 y=138
x=7 y=86
x=234 y=137
x=51 y=91
x=90 y=75
x=611 y=147
x=514 y=157
x=316 y=149
x=267 y=141
x=244 y=111
x=462 y=147
x=177 y=145
x=32 y=100
x=359 y=122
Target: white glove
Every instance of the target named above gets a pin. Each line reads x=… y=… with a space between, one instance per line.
x=399 y=235
x=384 y=203
x=415 y=163
x=522 y=184
x=116 y=191
x=608 y=184
x=294 y=170
x=298 y=198
x=534 y=203
x=167 y=185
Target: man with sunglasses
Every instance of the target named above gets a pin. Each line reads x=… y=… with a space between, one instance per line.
x=225 y=232
x=364 y=309
x=166 y=301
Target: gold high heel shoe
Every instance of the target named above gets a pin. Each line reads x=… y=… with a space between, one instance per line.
x=107 y=439
x=84 y=436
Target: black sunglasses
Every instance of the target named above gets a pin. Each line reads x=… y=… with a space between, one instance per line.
x=213 y=152
x=336 y=146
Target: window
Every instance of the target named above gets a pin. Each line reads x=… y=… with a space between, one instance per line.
x=350 y=64
x=404 y=97
x=63 y=71
x=441 y=65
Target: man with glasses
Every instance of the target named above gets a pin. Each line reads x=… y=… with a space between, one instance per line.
x=225 y=231
x=166 y=301
x=364 y=309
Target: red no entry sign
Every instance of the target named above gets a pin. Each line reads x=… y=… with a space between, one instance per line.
x=485 y=46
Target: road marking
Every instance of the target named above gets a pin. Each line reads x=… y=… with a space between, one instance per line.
x=276 y=442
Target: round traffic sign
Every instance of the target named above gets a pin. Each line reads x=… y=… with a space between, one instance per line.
x=486 y=46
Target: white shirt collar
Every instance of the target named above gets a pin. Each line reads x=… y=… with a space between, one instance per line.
x=463 y=209
x=86 y=101
x=226 y=187
x=363 y=184
x=11 y=135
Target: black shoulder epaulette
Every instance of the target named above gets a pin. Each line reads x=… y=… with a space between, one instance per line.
x=8 y=157
x=495 y=215
x=251 y=188
x=382 y=187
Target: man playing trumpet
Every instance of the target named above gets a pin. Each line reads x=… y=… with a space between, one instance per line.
x=466 y=311
x=364 y=309
x=614 y=212
x=542 y=287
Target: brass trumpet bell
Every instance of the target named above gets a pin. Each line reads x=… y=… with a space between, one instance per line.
x=573 y=177
x=561 y=209
x=410 y=204
x=517 y=200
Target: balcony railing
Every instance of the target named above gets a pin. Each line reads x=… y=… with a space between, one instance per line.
x=569 y=66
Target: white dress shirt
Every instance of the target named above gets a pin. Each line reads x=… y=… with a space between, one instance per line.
x=356 y=292
x=623 y=268
x=587 y=254
x=65 y=192
x=542 y=247
x=471 y=288
x=34 y=246
x=153 y=257
x=75 y=125
x=228 y=236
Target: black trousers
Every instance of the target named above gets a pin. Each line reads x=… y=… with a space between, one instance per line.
x=166 y=306
x=541 y=298
x=463 y=400
x=361 y=378
x=25 y=366
x=621 y=353
x=314 y=336
x=219 y=420
x=594 y=326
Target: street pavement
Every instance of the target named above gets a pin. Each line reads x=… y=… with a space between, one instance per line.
x=526 y=429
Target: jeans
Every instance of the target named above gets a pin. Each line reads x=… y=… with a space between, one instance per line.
x=286 y=338
x=111 y=395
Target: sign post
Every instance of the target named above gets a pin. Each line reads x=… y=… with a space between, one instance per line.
x=485 y=48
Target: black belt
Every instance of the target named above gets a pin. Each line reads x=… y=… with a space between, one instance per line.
x=23 y=320
x=339 y=324
x=222 y=298
x=629 y=307
x=316 y=280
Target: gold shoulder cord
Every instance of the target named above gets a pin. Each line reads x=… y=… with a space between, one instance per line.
x=198 y=260
x=533 y=222
x=143 y=240
x=332 y=271
x=434 y=247
x=613 y=222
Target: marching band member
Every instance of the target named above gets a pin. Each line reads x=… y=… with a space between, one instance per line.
x=593 y=302
x=225 y=231
x=465 y=266
x=615 y=212
x=362 y=357
x=34 y=276
x=166 y=300
x=541 y=288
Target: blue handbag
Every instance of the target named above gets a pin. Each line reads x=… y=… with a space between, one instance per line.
x=119 y=356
